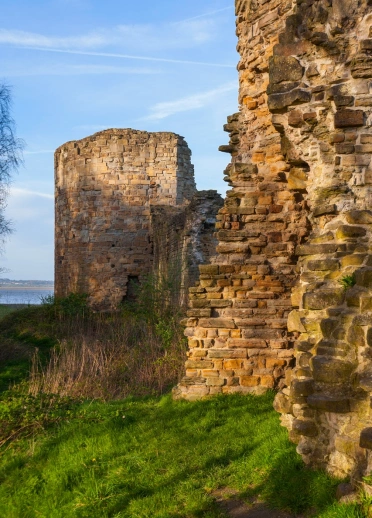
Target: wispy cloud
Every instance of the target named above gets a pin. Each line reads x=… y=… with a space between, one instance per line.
x=128 y=56
x=187 y=34
x=208 y=14
x=192 y=102
x=72 y=70
x=18 y=192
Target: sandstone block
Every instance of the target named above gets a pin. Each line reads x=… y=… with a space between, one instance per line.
x=325 y=403
x=281 y=101
x=349 y=118
x=302 y=388
x=316 y=249
x=209 y=269
x=232 y=364
x=323 y=265
x=322 y=299
x=366 y=438
x=282 y=403
x=199 y=364
x=306 y=428
x=294 y=322
x=350 y=231
x=359 y=217
x=215 y=382
x=297 y=179
x=217 y=323
x=331 y=370
x=227 y=353
x=284 y=69
x=249 y=381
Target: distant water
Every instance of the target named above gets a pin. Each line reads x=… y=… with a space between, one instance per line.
x=23 y=295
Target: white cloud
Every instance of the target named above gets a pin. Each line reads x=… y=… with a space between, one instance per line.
x=192 y=102
x=18 y=192
x=71 y=70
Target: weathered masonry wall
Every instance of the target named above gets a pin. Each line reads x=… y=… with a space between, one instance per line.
x=237 y=323
x=107 y=188
x=320 y=86
x=296 y=224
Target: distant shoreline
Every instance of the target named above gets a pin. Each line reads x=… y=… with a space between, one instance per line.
x=23 y=288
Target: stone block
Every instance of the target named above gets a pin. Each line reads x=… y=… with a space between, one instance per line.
x=282 y=403
x=215 y=382
x=232 y=364
x=198 y=364
x=322 y=299
x=323 y=265
x=280 y=101
x=284 y=69
x=352 y=260
x=363 y=277
x=324 y=248
x=302 y=388
x=209 y=269
x=349 y=118
x=338 y=405
x=227 y=353
x=332 y=371
x=366 y=438
x=250 y=381
x=217 y=323
x=359 y=217
x=249 y=343
x=305 y=427
x=350 y=231
x=294 y=322
x=297 y=179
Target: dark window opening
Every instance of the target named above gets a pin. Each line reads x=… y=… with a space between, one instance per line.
x=132 y=289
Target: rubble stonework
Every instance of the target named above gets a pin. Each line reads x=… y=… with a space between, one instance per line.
x=290 y=292
x=109 y=189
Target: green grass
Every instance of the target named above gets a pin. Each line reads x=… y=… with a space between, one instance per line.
x=142 y=457
x=6 y=309
x=159 y=458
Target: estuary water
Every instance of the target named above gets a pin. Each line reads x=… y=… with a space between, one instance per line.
x=23 y=295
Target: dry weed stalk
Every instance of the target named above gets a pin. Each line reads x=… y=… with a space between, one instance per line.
x=110 y=356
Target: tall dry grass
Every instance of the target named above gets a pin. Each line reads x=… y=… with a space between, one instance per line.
x=139 y=350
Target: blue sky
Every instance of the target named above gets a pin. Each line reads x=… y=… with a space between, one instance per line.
x=80 y=66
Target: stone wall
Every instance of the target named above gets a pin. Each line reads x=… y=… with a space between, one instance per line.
x=237 y=325
x=108 y=186
x=322 y=105
x=271 y=310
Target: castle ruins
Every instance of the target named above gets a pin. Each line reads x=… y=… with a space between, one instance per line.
x=287 y=301
x=126 y=203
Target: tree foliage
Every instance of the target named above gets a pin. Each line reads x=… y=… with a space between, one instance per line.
x=10 y=153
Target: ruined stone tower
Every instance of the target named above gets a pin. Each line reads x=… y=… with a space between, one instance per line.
x=287 y=303
x=107 y=189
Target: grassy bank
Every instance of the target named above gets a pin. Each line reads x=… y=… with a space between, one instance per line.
x=68 y=455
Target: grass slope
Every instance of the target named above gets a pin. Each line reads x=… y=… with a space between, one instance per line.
x=143 y=457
